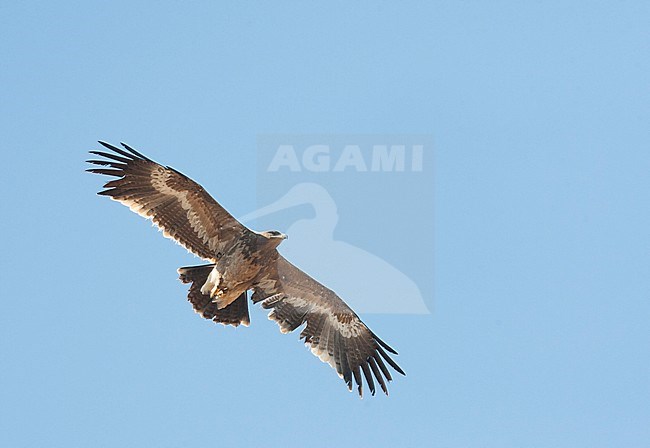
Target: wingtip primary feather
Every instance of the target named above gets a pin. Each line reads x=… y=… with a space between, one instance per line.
x=383 y=344
x=106 y=145
x=118 y=150
x=368 y=376
x=136 y=153
x=106 y=172
x=390 y=361
x=111 y=156
x=377 y=373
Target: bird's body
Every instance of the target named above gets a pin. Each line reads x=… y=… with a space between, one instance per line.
x=241 y=260
x=237 y=269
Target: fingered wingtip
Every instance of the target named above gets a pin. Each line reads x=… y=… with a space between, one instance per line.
x=105 y=144
x=134 y=152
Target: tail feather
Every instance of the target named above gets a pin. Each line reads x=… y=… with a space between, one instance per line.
x=234 y=314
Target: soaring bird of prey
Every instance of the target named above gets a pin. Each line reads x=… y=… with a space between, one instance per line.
x=242 y=260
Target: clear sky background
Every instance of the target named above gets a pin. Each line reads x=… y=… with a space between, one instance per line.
x=540 y=115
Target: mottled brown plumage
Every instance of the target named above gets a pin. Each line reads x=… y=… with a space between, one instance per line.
x=241 y=260
x=234 y=314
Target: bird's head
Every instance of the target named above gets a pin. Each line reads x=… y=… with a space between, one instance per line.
x=274 y=235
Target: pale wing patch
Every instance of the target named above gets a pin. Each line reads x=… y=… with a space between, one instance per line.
x=323 y=355
x=350 y=329
x=159 y=180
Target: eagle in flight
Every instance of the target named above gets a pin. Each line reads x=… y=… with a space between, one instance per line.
x=242 y=260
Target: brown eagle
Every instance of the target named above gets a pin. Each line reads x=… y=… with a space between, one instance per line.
x=242 y=260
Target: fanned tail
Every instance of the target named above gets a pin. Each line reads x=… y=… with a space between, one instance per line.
x=234 y=314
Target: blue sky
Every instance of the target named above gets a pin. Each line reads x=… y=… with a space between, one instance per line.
x=539 y=293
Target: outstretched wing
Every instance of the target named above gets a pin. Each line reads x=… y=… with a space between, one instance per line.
x=333 y=332
x=180 y=207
